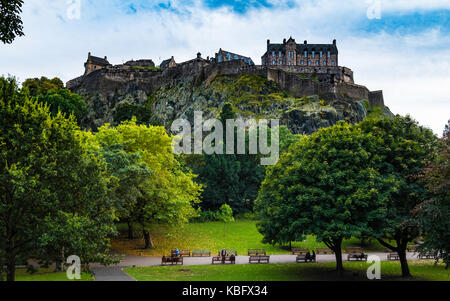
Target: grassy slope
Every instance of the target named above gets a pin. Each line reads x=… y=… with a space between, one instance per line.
x=420 y=270
x=47 y=275
x=241 y=235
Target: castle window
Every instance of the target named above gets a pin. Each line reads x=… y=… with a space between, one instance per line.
x=281 y=62
x=273 y=62
x=317 y=63
x=236 y=57
x=324 y=63
x=228 y=57
x=321 y=54
x=329 y=53
x=313 y=53
x=306 y=53
x=219 y=58
x=273 y=53
x=279 y=54
x=302 y=62
x=309 y=63
x=333 y=63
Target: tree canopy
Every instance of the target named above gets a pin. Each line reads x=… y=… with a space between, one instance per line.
x=324 y=185
x=52 y=190
x=404 y=148
x=164 y=192
x=434 y=213
x=11 y=25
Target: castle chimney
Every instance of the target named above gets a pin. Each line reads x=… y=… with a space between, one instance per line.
x=89 y=54
x=334 y=42
x=199 y=55
x=106 y=58
x=284 y=41
x=306 y=42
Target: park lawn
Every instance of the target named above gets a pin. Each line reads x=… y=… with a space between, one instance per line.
x=240 y=235
x=355 y=271
x=48 y=275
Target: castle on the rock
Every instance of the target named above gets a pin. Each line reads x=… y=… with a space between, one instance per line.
x=301 y=69
x=286 y=54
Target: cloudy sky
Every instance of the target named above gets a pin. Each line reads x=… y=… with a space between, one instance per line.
x=399 y=46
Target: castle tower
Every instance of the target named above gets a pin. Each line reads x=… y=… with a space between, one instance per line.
x=94 y=63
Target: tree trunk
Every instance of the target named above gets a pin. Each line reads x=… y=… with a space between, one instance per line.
x=339 y=265
x=11 y=269
x=58 y=264
x=148 y=239
x=338 y=253
x=401 y=250
x=130 y=230
x=60 y=261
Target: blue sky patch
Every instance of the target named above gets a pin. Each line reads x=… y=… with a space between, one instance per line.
x=408 y=23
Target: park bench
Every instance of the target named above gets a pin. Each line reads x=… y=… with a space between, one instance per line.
x=303 y=255
x=201 y=253
x=228 y=252
x=392 y=255
x=355 y=253
x=427 y=255
x=256 y=252
x=223 y=260
x=320 y=251
x=259 y=259
x=171 y=260
x=181 y=253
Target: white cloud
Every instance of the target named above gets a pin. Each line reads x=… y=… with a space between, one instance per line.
x=413 y=70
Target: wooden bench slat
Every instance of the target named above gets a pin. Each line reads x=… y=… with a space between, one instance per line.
x=299 y=251
x=259 y=259
x=230 y=259
x=256 y=252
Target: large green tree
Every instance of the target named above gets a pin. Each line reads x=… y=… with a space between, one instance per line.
x=232 y=179
x=129 y=173
x=41 y=86
x=47 y=181
x=52 y=92
x=404 y=148
x=434 y=213
x=324 y=186
x=167 y=195
x=11 y=25
x=66 y=102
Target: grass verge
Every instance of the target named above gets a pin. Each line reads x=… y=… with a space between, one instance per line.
x=354 y=271
x=240 y=235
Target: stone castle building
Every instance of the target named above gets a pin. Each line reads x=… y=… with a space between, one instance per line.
x=289 y=53
x=169 y=63
x=225 y=56
x=94 y=63
x=313 y=64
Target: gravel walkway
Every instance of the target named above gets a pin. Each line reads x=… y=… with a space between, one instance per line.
x=116 y=273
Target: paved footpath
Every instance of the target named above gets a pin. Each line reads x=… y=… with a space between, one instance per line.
x=116 y=273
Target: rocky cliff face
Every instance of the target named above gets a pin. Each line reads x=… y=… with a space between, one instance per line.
x=159 y=97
